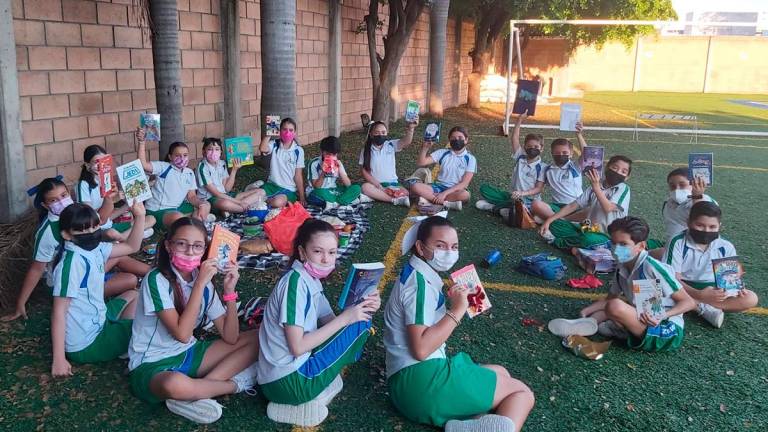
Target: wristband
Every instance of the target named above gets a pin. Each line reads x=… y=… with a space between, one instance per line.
x=453 y=317
x=229 y=297
x=697 y=197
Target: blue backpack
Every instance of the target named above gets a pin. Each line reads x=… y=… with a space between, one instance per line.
x=544 y=265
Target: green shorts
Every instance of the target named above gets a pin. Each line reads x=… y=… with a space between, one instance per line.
x=122 y=227
x=556 y=207
x=112 y=341
x=700 y=285
x=213 y=199
x=654 y=244
x=272 y=190
x=185 y=208
x=187 y=363
x=435 y=391
x=667 y=336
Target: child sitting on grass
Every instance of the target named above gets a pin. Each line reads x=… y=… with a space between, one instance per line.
x=690 y=254
x=378 y=167
x=324 y=173
x=563 y=177
x=286 y=182
x=215 y=183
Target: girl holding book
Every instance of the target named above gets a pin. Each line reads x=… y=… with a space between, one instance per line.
x=304 y=345
x=177 y=298
x=286 y=165
x=215 y=183
x=426 y=385
x=377 y=162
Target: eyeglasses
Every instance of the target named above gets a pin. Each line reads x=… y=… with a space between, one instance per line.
x=185 y=246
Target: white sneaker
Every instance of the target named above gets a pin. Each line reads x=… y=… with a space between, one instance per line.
x=246 y=378
x=453 y=205
x=486 y=423
x=149 y=232
x=365 y=199
x=210 y=218
x=307 y=414
x=484 y=205
x=612 y=330
x=255 y=185
x=404 y=201
x=330 y=205
x=548 y=236
x=538 y=220
x=203 y=411
x=711 y=314
x=504 y=213
x=581 y=327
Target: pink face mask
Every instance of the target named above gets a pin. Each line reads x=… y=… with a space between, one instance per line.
x=213 y=155
x=185 y=264
x=180 y=162
x=318 y=272
x=287 y=136
x=57 y=207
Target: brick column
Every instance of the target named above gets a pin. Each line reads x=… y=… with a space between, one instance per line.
x=230 y=38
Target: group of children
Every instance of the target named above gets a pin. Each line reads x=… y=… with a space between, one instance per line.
x=298 y=352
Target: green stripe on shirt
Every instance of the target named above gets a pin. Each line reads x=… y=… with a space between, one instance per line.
x=293 y=291
x=154 y=290
x=66 y=270
x=671 y=281
x=39 y=236
x=421 y=294
x=671 y=247
x=201 y=170
x=623 y=194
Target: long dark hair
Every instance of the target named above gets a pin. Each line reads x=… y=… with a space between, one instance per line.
x=76 y=217
x=163 y=260
x=426 y=226
x=309 y=228
x=43 y=188
x=173 y=147
x=369 y=144
x=89 y=153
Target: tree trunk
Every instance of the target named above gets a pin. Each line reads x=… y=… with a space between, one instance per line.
x=167 y=69
x=486 y=32
x=278 y=58
x=438 y=23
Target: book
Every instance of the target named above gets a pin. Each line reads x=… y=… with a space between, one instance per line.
x=411 y=111
x=478 y=299
x=151 y=125
x=239 y=148
x=363 y=279
x=330 y=165
x=224 y=246
x=596 y=260
x=648 y=298
x=728 y=273
x=106 y=168
x=592 y=158
x=432 y=131
x=701 y=165
x=134 y=182
x=272 y=125
x=525 y=97
x=570 y=114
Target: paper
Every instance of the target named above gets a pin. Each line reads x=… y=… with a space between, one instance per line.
x=570 y=114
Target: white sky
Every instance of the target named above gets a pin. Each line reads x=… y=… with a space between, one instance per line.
x=682 y=6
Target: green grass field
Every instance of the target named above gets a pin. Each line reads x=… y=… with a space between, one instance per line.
x=716 y=381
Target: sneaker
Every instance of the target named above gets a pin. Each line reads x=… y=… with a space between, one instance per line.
x=308 y=414
x=246 y=378
x=365 y=199
x=149 y=232
x=504 y=213
x=711 y=314
x=210 y=218
x=488 y=422
x=548 y=237
x=404 y=201
x=330 y=205
x=255 y=185
x=612 y=330
x=564 y=327
x=203 y=411
x=484 y=205
x=453 y=205
x=538 y=220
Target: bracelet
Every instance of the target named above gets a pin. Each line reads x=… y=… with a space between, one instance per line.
x=229 y=297
x=453 y=317
x=697 y=197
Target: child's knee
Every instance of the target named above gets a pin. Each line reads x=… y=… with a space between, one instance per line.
x=750 y=298
x=614 y=308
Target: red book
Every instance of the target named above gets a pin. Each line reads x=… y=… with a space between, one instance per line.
x=106 y=170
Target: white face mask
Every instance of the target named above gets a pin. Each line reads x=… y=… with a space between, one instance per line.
x=680 y=196
x=443 y=260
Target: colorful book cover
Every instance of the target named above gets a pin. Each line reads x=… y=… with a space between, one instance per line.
x=106 y=168
x=478 y=299
x=596 y=260
x=363 y=280
x=648 y=298
x=151 y=125
x=134 y=182
x=570 y=114
x=224 y=246
x=525 y=97
x=701 y=165
x=728 y=273
x=592 y=157
x=432 y=131
x=411 y=111
x=272 y=125
x=239 y=148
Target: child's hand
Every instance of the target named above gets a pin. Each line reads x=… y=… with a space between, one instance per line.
x=594 y=178
x=712 y=295
x=410 y=126
x=579 y=127
x=236 y=164
x=61 y=368
x=521 y=118
x=439 y=198
x=544 y=229
x=375 y=300
x=231 y=276
x=208 y=270
x=359 y=312
x=458 y=294
x=20 y=312
x=648 y=320
x=699 y=186
x=427 y=144
x=140 y=135
x=137 y=209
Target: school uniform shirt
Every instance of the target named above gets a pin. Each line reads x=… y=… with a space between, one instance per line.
x=676 y=215
x=526 y=174
x=297 y=300
x=284 y=163
x=171 y=187
x=316 y=171
x=47 y=243
x=383 y=166
x=92 y=197
x=151 y=341
x=646 y=267
x=694 y=264
x=565 y=182
x=453 y=166
x=79 y=276
x=211 y=174
x=618 y=195
x=417 y=299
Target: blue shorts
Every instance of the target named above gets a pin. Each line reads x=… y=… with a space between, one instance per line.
x=439 y=188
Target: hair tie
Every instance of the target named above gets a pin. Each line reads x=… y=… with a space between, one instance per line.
x=33 y=190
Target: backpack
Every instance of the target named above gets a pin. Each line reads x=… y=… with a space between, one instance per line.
x=544 y=265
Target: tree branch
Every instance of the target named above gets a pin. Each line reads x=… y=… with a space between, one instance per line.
x=371 y=21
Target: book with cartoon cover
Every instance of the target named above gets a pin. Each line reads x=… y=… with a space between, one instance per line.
x=272 y=125
x=239 y=148
x=648 y=298
x=363 y=279
x=525 y=97
x=411 y=111
x=224 y=247
x=592 y=158
x=478 y=299
x=728 y=272
x=151 y=125
x=134 y=182
x=106 y=168
x=701 y=165
x=432 y=132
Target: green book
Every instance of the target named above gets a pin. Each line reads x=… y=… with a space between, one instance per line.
x=239 y=148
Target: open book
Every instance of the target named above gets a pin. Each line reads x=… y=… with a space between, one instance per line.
x=363 y=280
x=478 y=299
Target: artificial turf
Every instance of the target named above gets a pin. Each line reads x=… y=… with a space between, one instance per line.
x=716 y=381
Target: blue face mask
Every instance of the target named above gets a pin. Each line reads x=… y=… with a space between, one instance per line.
x=623 y=254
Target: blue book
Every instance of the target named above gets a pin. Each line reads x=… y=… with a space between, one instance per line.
x=363 y=280
x=701 y=165
x=525 y=97
x=728 y=272
x=432 y=132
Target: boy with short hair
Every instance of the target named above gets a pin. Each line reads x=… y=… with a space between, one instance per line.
x=563 y=176
x=618 y=317
x=690 y=255
x=683 y=194
x=323 y=175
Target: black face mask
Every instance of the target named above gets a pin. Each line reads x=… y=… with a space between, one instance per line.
x=457 y=144
x=532 y=152
x=703 y=237
x=561 y=160
x=89 y=241
x=612 y=178
x=379 y=139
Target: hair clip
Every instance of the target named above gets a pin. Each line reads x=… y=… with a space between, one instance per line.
x=33 y=190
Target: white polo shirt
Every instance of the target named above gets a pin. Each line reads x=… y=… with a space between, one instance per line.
x=676 y=215
x=526 y=174
x=92 y=197
x=151 y=341
x=47 y=239
x=565 y=182
x=211 y=174
x=694 y=264
x=453 y=165
x=383 y=166
x=646 y=267
x=284 y=163
x=297 y=300
x=171 y=187
x=618 y=195
x=315 y=171
x=79 y=276
x=417 y=299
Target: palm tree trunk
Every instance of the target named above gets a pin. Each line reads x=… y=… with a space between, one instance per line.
x=278 y=58
x=167 y=68
x=438 y=23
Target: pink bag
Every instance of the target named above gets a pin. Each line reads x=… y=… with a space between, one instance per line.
x=281 y=230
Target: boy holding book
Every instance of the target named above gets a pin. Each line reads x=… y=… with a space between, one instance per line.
x=563 y=177
x=690 y=254
x=324 y=173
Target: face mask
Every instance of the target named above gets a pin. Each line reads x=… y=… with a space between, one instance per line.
x=443 y=260
x=612 y=178
x=379 y=139
x=532 y=152
x=561 y=160
x=457 y=144
x=317 y=271
x=213 y=155
x=703 y=237
x=180 y=162
x=57 y=207
x=623 y=254
x=185 y=264
x=680 y=196
x=287 y=136
x=88 y=241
